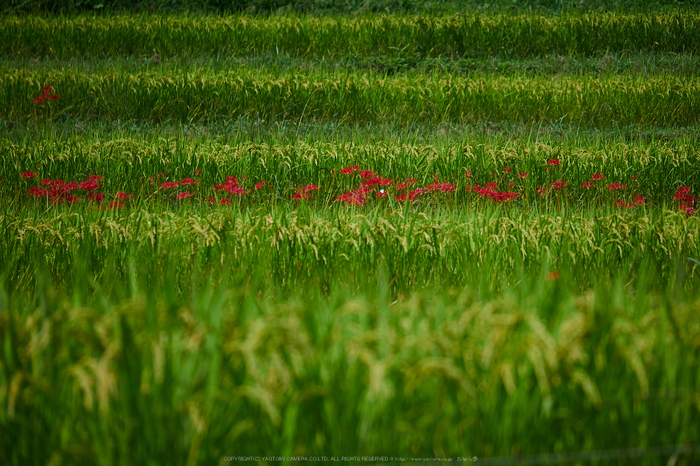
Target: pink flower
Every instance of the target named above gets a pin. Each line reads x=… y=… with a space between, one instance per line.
x=468 y=174
x=541 y=190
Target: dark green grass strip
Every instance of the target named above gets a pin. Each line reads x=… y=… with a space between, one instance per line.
x=201 y=97
x=469 y=35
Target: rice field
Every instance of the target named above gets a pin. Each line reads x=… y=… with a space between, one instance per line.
x=325 y=233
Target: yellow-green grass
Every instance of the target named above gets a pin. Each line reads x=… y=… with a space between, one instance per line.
x=459 y=35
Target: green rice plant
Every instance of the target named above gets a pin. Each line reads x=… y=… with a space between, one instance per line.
x=233 y=369
x=459 y=35
x=353 y=97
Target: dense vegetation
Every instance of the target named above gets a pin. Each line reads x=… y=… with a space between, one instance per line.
x=441 y=231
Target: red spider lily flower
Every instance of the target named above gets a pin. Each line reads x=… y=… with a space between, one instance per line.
x=170 y=184
x=444 y=187
x=95 y=197
x=597 y=176
x=523 y=175
x=161 y=175
x=385 y=182
x=41 y=99
x=211 y=200
x=114 y=205
x=53 y=97
x=468 y=188
x=301 y=196
x=28 y=175
x=371 y=181
x=401 y=186
x=689 y=211
x=507 y=170
x=541 y=190
x=553 y=276
x=401 y=198
x=262 y=184
x=492 y=185
x=198 y=172
x=224 y=201
x=89 y=185
x=349 y=170
x=559 y=184
x=634 y=178
x=639 y=200
x=188 y=181
x=683 y=194
x=381 y=193
x=554 y=162
x=47 y=89
x=235 y=190
x=38 y=192
x=588 y=184
x=307 y=188
x=47 y=182
x=183 y=195
x=410 y=181
x=366 y=174
x=123 y=195
x=616 y=186
x=356 y=197
x=95 y=178
x=150 y=179
x=468 y=174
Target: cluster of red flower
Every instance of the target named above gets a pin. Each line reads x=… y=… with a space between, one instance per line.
x=47 y=94
x=687 y=202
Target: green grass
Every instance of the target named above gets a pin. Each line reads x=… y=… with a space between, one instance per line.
x=202 y=97
x=157 y=330
x=454 y=36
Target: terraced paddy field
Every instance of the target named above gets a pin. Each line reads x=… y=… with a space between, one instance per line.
x=451 y=232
